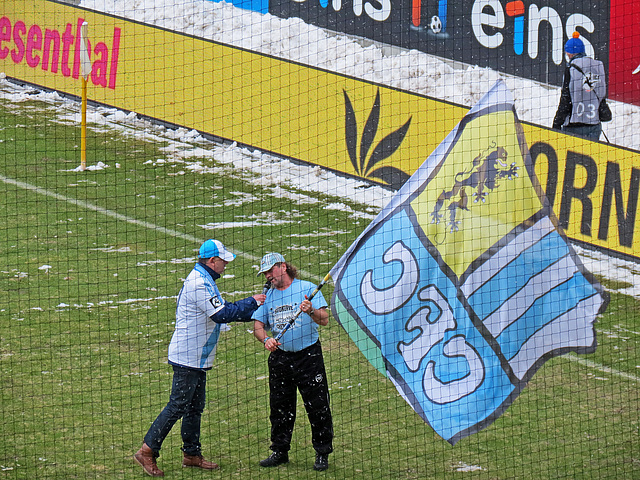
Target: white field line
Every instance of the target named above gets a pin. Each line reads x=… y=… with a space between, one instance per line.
x=112 y=214
x=611 y=371
x=191 y=238
x=151 y=226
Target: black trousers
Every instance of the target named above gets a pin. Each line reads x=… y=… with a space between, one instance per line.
x=304 y=371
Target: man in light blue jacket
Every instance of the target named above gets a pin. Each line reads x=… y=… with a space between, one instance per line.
x=200 y=312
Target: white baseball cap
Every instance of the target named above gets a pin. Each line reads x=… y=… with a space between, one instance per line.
x=214 y=248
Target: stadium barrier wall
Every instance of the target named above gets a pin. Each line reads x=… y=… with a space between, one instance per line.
x=301 y=112
x=520 y=37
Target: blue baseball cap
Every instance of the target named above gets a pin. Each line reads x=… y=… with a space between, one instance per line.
x=268 y=261
x=574 y=45
x=214 y=248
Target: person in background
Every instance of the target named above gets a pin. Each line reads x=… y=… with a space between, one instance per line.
x=200 y=312
x=296 y=362
x=583 y=88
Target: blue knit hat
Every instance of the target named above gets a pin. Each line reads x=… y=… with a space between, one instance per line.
x=574 y=45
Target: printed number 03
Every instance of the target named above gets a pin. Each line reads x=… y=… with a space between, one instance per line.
x=590 y=109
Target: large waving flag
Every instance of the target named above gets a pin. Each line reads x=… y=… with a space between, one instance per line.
x=463 y=286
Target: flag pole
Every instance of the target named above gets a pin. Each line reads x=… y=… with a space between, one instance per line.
x=85 y=67
x=83 y=128
x=293 y=320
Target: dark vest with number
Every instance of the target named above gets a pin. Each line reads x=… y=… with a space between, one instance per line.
x=587 y=87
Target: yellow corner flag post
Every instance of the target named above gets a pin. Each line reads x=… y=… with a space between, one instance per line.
x=85 y=68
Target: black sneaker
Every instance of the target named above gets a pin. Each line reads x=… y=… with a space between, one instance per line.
x=322 y=462
x=275 y=459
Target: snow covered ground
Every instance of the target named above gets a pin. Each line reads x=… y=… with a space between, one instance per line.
x=187 y=149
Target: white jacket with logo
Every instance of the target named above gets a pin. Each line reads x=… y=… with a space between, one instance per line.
x=199 y=313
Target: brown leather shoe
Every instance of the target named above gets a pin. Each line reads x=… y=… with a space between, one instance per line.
x=147 y=460
x=198 y=462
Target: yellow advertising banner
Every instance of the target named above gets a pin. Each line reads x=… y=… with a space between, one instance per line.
x=341 y=123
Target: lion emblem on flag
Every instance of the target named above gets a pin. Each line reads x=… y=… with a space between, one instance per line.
x=482 y=177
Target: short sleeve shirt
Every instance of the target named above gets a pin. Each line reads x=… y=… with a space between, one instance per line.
x=282 y=305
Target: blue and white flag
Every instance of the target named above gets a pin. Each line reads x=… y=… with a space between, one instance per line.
x=464 y=285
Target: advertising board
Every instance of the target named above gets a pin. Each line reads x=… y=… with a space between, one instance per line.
x=520 y=37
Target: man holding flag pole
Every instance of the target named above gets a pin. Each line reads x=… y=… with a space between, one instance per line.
x=293 y=310
x=460 y=289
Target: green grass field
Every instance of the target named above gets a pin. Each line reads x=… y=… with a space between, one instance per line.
x=83 y=342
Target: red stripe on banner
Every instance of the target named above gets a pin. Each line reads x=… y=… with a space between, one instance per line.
x=624 y=51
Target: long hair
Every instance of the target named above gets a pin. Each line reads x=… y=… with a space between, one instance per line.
x=291 y=270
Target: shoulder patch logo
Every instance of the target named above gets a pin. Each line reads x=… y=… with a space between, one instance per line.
x=216 y=302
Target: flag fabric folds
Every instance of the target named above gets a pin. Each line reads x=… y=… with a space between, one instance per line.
x=463 y=285
x=85 y=61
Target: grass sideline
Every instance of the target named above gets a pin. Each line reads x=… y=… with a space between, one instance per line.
x=83 y=342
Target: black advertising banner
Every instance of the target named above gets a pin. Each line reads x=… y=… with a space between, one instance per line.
x=520 y=37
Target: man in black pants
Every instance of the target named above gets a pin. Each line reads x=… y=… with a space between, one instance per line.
x=296 y=363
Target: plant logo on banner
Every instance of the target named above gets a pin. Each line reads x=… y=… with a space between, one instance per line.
x=362 y=165
x=464 y=285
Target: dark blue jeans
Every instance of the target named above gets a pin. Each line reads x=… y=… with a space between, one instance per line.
x=187 y=401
